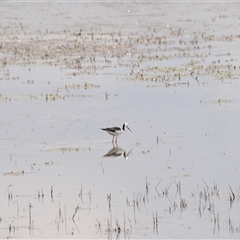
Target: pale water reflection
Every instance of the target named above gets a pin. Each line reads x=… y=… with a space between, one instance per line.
x=171 y=70
x=116 y=151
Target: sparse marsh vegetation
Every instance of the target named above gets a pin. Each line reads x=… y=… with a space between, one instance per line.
x=174 y=77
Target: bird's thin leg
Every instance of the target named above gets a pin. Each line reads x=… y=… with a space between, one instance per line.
x=116 y=139
x=112 y=139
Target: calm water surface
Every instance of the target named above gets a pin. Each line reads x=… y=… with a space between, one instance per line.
x=69 y=69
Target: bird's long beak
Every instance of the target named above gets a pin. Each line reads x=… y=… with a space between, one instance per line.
x=129 y=129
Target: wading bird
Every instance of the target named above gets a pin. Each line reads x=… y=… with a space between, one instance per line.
x=116 y=131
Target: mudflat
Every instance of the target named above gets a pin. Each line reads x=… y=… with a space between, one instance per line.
x=170 y=70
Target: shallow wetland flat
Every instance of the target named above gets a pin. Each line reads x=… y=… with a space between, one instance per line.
x=170 y=70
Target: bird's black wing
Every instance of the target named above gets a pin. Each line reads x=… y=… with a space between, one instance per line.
x=112 y=129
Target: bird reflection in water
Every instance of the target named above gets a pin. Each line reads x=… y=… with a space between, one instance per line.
x=117 y=152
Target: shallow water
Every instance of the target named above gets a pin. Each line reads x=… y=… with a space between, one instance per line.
x=170 y=72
